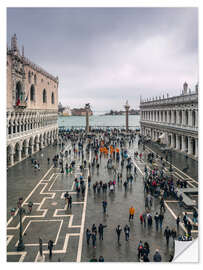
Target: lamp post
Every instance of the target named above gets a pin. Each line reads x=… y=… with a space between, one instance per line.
x=87 y=108
x=21 y=211
x=127 y=107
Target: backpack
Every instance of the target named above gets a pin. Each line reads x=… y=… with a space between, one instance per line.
x=140 y=247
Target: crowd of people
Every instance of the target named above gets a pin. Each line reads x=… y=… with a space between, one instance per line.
x=112 y=146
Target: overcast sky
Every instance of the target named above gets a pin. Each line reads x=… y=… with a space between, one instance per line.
x=106 y=56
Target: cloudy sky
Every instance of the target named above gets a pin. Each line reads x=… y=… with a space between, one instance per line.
x=106 y=56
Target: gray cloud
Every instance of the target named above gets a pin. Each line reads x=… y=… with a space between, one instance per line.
x=108 y=55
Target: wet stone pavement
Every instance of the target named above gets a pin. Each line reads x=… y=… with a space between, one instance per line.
x=50 y=219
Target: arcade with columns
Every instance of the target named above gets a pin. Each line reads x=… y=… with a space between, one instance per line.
x=175 y=117
x=32 y=106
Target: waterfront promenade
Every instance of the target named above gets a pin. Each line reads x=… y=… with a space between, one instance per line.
x=50 y=220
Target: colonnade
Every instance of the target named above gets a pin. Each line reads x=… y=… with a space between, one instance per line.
x=20 y=149
x=178 y=141
x=177 y=116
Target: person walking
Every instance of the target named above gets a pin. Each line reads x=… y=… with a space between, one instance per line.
x=89 y=181
x=144 y=218
x=146 y=249
x=185 y=219
x=167 y=234
x=177 y=222
x=50 y=247
x=104 y=204
x=70 y=202
x=173 y=234
x=101 y=231
x=149 y=220
x=140 y=249
x=157 y=256
x=88 y=235
x=127 y=232
x=156 y=218
x=161 y=218
x=195 y=217
x=189 y=228
x=125 y=185
x=162 y=206
x=118 y=232
x=94 y=229
x=94 y=238
x=40 y=247
x=131 y=212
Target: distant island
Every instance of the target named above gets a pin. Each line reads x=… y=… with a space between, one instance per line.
x=131 y=112
x=67 y=111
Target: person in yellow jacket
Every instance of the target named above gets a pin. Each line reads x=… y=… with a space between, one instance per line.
x=131 y=213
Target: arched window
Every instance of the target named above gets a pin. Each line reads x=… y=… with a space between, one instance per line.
x=32 y=93
x=44 y=96
x=52 y=98
x=35 y=79
x=29 y=77
x=18 y=92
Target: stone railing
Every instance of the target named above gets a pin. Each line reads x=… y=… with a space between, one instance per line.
x=191 y=97
x=172 y=125
x=33 y=132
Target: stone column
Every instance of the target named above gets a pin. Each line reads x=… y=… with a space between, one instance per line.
x=177 y=142
x=189 y=145
x=183 y=144
x=183 y=118
x=12 y=159
x=127 y=107
x=172 y=116
x=168 y=116
x=177 y=118
x=172 y=141
x=196 y=147
x=167 y=140
x=31 y=147
x=20 y=154
x=37 y=146
x=26 y=151
x=87 y=107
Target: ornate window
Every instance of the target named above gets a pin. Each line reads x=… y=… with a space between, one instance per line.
x=35 y=79
x=18 y=93
x=44 y=96
x=52 y=98
x=29 y=77
x=32 y=93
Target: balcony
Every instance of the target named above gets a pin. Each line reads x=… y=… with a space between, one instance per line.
x=21 y=105
x=170 y=125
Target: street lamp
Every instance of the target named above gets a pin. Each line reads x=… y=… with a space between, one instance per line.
x=21 y=211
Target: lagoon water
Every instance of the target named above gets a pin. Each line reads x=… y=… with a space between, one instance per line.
x=99 y=121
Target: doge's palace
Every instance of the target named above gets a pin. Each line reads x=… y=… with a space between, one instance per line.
x=32 y=106
x=174 y=118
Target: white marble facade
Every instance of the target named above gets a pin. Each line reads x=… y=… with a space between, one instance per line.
x=176 y=117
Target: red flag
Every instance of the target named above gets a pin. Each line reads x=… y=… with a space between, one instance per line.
x=18 y=102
